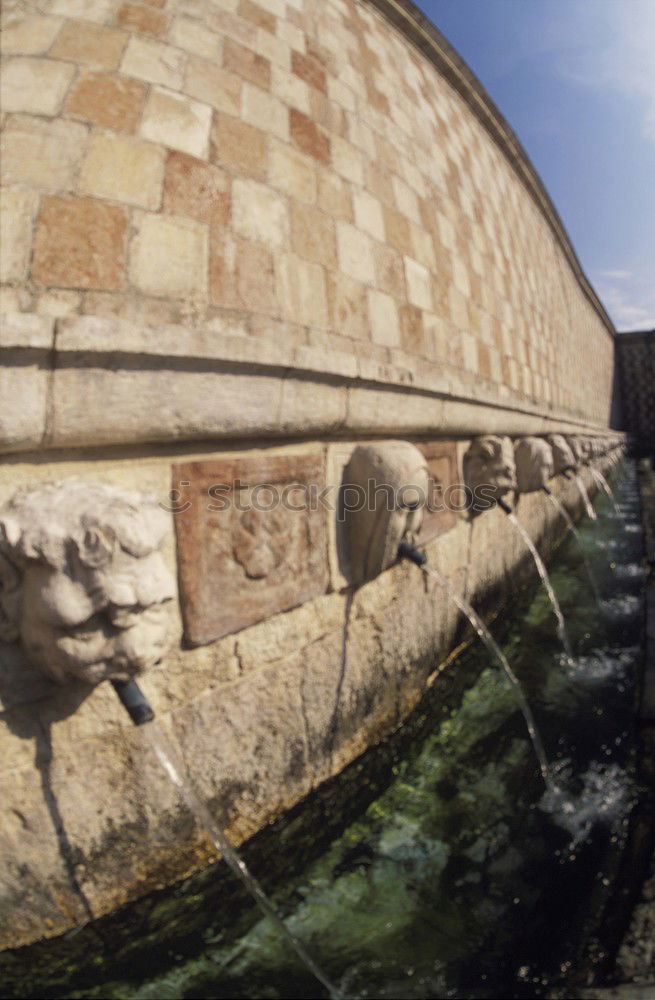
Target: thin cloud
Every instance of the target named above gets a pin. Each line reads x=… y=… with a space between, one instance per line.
x=621 y=300
x=616 y=275
x=617 y=56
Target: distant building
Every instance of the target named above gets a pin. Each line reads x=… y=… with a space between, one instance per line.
x=636 y=370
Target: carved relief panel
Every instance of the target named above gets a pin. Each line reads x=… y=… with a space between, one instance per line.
x=444 y=497
x=251 y=538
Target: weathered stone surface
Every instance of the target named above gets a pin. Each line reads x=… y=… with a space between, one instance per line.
x=355 y=250
x=301 y=290
x=445 y=494
x=67 y=228
x=412 y=285
x=383 y=318
x=123 y=169
x=34 y=86
x=107 y=100
x=489 y=470
x=272 y=711
x=144 y=20
x=262 y=110
x=239 y=146
x=83 y=584
x=210 y=83
x=91 y=10
x=17 y=210
x=153 y=62
x=577 y=448
x=24 y=379
x=177 y=121
x=42 y=154
x=195 y=38
x=26 y=330
x=99 y=404
x=260 y=213
x=90 y=44
x=383 y=493
x=23 y=391
x=240 y=564
x=534 y=464
x=197 y=189
x=28 y=35
x=308 y=136
x=563 y=457
x=152 y=267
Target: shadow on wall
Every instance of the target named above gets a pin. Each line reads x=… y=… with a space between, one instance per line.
x=35 y=722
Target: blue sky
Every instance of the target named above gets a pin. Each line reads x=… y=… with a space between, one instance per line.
x=576 y=81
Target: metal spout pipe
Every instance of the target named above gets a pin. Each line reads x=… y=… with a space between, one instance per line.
x=134 y=702
x=407 y=551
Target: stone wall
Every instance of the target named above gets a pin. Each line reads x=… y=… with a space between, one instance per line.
x=240 y=238
x=261 y=715
x=636 y=370
x=288 y=183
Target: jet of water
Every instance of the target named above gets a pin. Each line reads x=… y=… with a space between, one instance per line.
x=543 y=573
x=557 y=503
x=585 y=497
x=604 y=485
x=495 y=650
x=175 y=772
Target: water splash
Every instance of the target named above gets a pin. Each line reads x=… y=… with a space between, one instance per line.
x=603 y=798
x=600 y=665
x=623 y=606
x=604 y=485
x=585 y=497
x=630 y=571
x=495 y=650
x=557 y=503
x=545 y=579
x=175 y=772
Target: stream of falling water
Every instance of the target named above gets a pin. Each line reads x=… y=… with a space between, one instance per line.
x=495 y=650
x=585 y=497
x=604 y=485
x=543 y=573
x=557 y=503
x=230 y=855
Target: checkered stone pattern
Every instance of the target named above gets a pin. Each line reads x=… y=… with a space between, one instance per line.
x=294 y=169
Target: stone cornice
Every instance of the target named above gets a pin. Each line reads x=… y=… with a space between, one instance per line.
x=81 y=381
x=416 y=27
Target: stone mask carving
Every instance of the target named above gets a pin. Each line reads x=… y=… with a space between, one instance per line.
x=83 y=584
x=534 y=464
x=563 y=457
x=578 y=449
x=388 y=482
x=489 y=470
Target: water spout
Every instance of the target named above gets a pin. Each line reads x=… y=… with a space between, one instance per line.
x=604 y=485
x=175 y=772
x=408 y=551
x=559 y=506
x=585 y=497
x=545 y=579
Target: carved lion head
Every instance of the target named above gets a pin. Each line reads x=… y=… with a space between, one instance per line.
x=83 y=584
x=534 y=464
x=489 y=469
